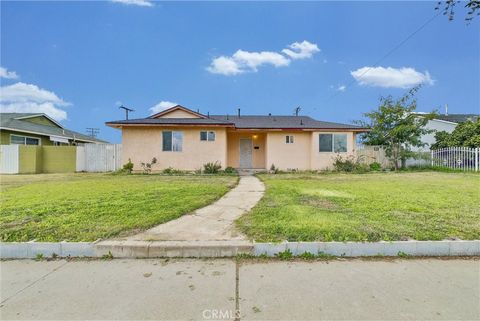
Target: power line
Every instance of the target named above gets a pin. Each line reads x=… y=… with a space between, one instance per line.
x=92 y=132
x=388 y=53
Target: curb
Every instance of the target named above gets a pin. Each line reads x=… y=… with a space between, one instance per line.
x=30 y=250
x=215 y=249
x=382 y=248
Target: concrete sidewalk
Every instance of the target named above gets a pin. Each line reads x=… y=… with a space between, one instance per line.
x=213 y=222
x=188 y=289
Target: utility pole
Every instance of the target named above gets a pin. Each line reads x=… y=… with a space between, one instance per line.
x=126 y=111
x=92 y=132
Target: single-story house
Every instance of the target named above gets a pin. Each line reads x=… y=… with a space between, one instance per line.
x=38 y=129
x=184 y=139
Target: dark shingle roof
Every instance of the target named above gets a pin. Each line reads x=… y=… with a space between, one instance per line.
x=10 y=121
x=281 y=122
x=170 y=121
x=458 y=118
x=243 y=122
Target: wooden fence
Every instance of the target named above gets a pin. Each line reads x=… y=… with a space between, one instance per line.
x=462 y=158
x=372 y=154
x=29 y=159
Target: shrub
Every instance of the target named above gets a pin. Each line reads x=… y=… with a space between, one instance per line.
x=230 y=170
x=349 y=164
x=212 y=168
x=375 y=166
x=273 y=169
x=147 y=167
x=128 y=167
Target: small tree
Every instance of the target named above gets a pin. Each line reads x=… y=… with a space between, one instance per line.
x=466 y=134
x=395 y=126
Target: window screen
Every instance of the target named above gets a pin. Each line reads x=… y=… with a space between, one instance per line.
x=207 y=136
x=289 y=139
x=167 y=141
x=340 y=143
x=203 y=136
x=32 y=141
x=177 y=141
x=325 y=142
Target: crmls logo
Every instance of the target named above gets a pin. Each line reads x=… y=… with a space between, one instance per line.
x=214 y=314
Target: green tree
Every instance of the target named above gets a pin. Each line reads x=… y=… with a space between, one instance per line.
x=448 y=8
x=396 y=127
x=466 y=134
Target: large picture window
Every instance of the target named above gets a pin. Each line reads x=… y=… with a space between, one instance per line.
x=336 y=143
x=24 y=140
x=172 y=141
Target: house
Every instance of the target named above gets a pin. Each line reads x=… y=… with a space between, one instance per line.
x=184 y=139
x=38 y=129
x=442 y=122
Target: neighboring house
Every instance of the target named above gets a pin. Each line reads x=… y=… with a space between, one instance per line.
x=443 y=122
x=184 y=139
x=38 y=129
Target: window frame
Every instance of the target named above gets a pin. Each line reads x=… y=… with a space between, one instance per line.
x=39 y=140
x=289 y=139
x=173 y=141
x=332 y=149
x=207 y=136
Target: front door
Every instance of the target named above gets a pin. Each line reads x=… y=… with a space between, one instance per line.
x=246 y=152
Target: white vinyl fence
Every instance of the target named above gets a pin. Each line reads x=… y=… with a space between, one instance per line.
x=9 y=159
x=99 y=158
x=462 y=158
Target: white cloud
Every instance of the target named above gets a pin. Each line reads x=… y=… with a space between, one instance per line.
x=342 y=88
x=28 y=98
x=391 y=77
x=141 y=3
x=249 y=61
x=301 y=50
x=4 y=73
x=161 y=106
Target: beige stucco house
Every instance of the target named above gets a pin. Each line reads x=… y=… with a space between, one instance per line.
x=184 y=139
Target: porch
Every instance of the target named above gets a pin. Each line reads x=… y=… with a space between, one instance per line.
x=246 y=149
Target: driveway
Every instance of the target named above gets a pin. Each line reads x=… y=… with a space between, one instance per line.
x=211 y=223
x=185 y=289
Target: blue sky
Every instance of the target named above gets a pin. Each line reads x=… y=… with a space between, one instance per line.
x=77 y=61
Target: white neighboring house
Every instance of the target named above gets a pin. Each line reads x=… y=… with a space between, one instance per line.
x=443 y=122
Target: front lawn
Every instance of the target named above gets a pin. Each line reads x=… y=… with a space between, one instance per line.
x=86 y=207
x=366 y=207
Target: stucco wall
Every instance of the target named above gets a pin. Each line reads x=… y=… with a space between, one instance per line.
x=322 y=160
x=289 y=156
x=436 y=125
x=179 y=114
x=258 y=155
x=142 y=144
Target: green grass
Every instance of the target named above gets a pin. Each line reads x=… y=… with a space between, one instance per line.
x=86 y=207
x=368 y=207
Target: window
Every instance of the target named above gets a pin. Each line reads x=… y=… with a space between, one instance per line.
x=23 y=140
x=333 y=143
x=207 y=136
x=289 y=139
x=172 y=141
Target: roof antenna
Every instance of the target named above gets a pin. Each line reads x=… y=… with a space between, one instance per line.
x=227 y=116
x=127 y=110
x=446 y=109
x=297 y=110
x=238 y=112
x=198 y=110
x=301 y=121
x=208 y=114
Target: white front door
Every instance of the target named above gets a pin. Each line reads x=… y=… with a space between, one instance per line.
x=246 y=152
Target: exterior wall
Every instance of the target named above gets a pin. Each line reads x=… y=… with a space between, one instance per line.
x=141 y=144
x=289 y=156
x=233 y=147
x=178 y=114
x=5 y=137
x=323 y=160
x=41 y=120
x=59 y=159
x=436 y=125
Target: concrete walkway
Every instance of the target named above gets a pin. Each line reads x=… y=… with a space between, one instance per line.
x=213 y=222
x=221 y=289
